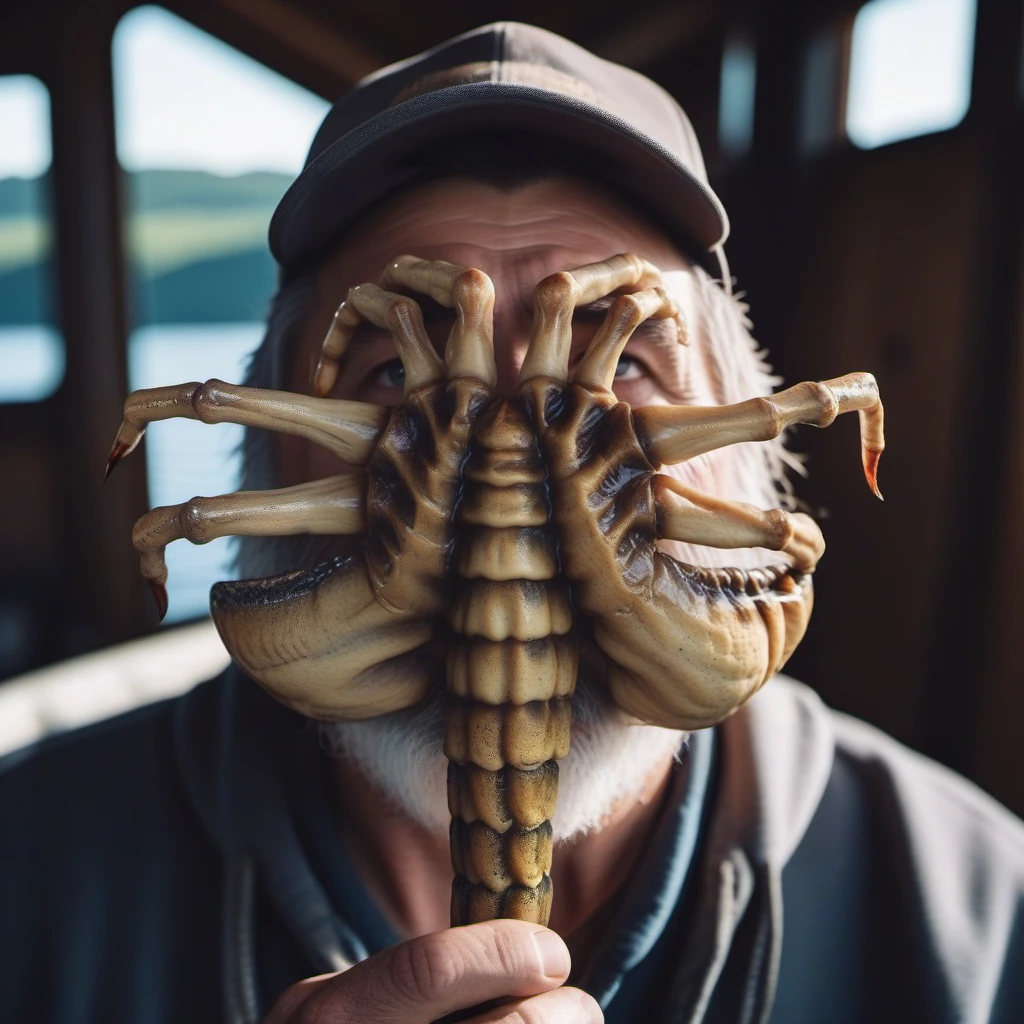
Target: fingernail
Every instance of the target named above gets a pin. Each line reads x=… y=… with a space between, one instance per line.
x=554 y=956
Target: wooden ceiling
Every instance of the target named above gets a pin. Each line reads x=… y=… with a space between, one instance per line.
x=327 y=45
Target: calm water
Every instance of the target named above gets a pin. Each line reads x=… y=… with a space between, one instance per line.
x=31 y=362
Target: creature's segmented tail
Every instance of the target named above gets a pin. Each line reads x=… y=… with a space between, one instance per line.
x=511 y=673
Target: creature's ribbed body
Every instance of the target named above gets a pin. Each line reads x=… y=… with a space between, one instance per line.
x=484 y=509
x=511 y=672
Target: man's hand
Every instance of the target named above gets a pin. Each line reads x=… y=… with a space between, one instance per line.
x=419 y=981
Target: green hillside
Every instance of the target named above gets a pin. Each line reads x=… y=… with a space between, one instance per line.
x=164 y=240
x=162 y=190
x=197 y=243
x=227 y=289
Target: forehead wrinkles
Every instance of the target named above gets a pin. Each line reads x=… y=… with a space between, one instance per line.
x=518 y=238
x=580 y=217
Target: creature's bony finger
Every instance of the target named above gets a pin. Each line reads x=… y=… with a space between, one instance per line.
x=397 y=314
x=403 y=319
x=335 y=344
x=853 y=391
x=860 y=391
x=689 y=515
x=672 y=434
x=470 y=348
x=558 y=295
x=349 y=430
x=435 y=278
x=147 y=406
x=627 y=270
x=627 y=312
x=333 y=506
x=153 y=566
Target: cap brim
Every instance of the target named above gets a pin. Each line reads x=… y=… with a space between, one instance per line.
x=372 y=160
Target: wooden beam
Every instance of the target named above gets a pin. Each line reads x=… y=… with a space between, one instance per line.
x=643 y=39
x=99 y=565
x=317 y=42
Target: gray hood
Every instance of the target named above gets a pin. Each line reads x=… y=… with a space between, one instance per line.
x=903 y=884
x=234 y=745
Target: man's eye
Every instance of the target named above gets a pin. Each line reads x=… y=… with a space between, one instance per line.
x=390 y=374
x=628 y=368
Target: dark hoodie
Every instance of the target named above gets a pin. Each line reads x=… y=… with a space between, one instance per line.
x=185 y=863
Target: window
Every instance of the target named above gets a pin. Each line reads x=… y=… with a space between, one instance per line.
x=736 y=98
x=31 y=348
x=209 y=140
x=910 y=69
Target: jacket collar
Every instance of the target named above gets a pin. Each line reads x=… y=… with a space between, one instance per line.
x=776 y=758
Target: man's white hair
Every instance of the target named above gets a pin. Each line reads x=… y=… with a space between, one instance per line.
x=610 y=760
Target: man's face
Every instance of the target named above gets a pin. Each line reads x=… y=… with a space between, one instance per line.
x=516 y=237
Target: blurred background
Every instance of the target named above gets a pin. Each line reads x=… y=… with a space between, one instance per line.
x=871 y=157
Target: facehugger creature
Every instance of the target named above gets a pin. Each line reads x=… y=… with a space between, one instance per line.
x=504 y=530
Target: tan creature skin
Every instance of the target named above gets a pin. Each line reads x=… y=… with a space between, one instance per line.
x=500 y=534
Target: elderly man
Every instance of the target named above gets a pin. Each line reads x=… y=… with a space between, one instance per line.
x=207 y=859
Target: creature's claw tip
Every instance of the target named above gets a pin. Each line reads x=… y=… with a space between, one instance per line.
x=871 y=459
x=117 y=452
x=160 y=596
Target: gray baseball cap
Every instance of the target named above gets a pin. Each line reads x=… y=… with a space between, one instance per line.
x=502 y=77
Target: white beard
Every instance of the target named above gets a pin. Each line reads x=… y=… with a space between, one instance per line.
x=608 y=765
